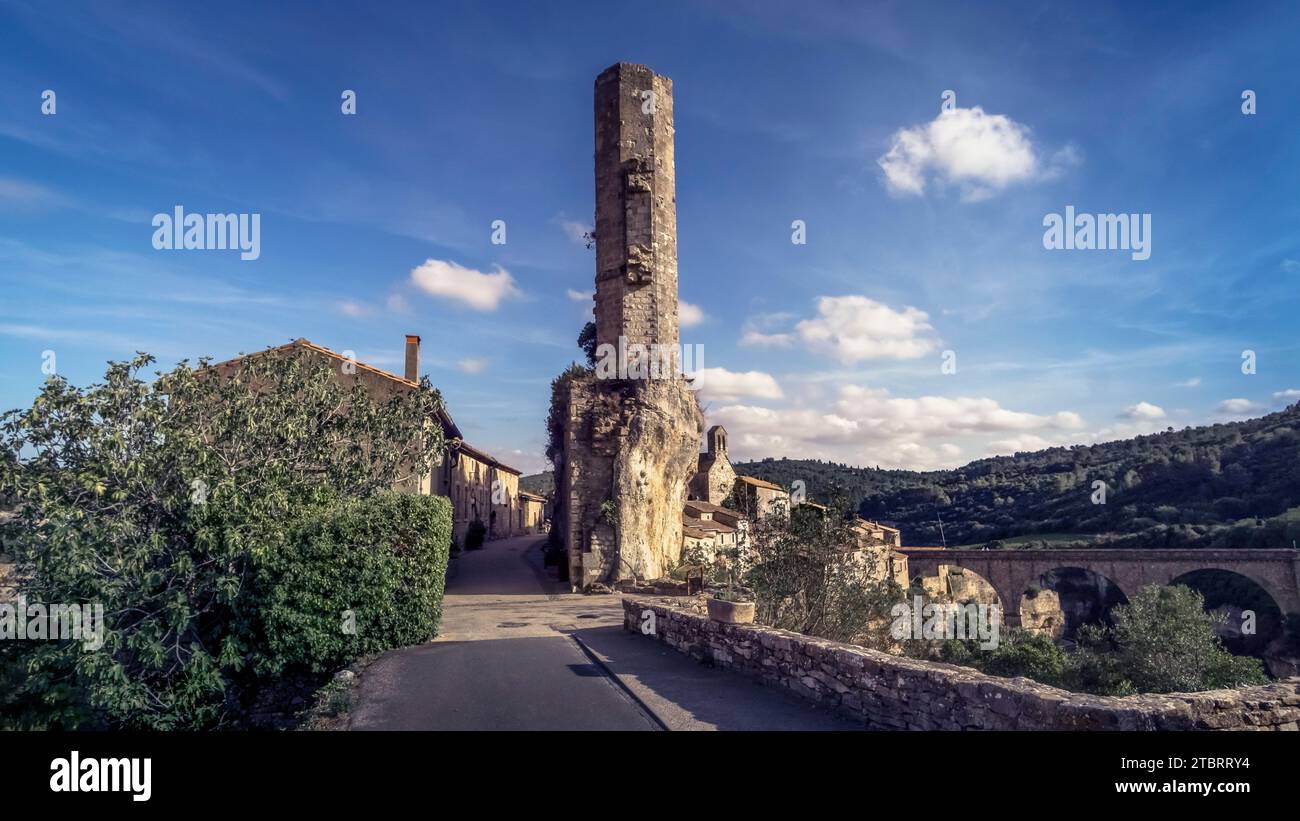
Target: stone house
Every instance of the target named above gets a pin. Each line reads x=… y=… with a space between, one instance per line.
x=533 y=514
x=713 y=527
x=709 y=525
x=760 y=497
x=714 y=477
x=478 y=485
x=875 y=533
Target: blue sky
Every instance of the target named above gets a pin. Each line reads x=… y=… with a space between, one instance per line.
x=924 y=228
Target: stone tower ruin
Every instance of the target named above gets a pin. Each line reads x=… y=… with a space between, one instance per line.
x=629 y=443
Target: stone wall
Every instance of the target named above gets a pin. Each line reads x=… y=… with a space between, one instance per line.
x=892 y=692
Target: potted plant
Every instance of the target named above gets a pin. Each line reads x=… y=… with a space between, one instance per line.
x=731 y=604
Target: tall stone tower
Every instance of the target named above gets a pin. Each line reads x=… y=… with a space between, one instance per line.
x=636 y=208
x=630 y=445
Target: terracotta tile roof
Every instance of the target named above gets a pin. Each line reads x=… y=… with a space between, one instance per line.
x=707 y=507
x=449 y=426
x=301 y=342
x=696 y=533
x=750 y=480
x=487 y=458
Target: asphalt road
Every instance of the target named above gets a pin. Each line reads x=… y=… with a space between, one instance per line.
x=509 y=658
x=502 y=684
x=504 y=659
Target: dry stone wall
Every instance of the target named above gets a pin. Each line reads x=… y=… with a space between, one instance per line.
x=892 y=692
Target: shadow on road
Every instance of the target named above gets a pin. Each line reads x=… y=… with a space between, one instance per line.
x=687 y=695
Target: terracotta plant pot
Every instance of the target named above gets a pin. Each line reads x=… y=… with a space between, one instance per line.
x=731 y=612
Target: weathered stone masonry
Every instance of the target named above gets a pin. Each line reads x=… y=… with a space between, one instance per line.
x=630 y=445
x=892 y=692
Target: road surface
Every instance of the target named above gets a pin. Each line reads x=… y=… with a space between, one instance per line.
x=518 y=652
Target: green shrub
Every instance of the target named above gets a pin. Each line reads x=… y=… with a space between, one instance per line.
x=353 y=579
x=804 y=577
x=1162 y=641
x=165 y=502
x=475 y=535
x=1029 y=654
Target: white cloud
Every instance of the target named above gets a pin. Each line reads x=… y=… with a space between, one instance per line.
x=353 y=309
x=1024 y=443
x=981 y=153
x=579 y=296
x=869 y=426
x=397 y=303
x=1144 y=411
x=472 y=365
x=1291 y=266
x=480 y=291
x=722 y=384
x=1289 y=395
x=689 y=315
x=751 y=337
x=1239 y=407
x=853 y=328
x=755 y=333
x=1194 y=382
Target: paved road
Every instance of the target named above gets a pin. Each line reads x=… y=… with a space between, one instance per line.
x=511 y=657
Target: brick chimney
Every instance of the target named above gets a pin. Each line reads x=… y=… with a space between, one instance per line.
x=412 y=358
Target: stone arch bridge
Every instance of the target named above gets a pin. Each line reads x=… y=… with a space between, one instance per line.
x=1011 y=572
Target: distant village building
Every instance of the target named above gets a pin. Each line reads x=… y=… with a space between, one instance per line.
x=760 y=497
x=716 y=515
x=479 y=486
x=533 y=513
x=713 y=526
x=714 y=476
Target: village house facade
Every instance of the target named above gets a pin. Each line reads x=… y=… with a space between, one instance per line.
x=716 y=515
x=479 y=486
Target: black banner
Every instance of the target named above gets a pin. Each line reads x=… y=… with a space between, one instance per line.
x=140 y=773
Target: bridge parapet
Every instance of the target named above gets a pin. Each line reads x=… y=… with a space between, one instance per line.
x=1012 y=571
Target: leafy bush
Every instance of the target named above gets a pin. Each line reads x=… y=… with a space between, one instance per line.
x=1162 y=641
x=165 y=501
x=1034 y=655
x=354 y=579
x=805 y=578
x=475 y=534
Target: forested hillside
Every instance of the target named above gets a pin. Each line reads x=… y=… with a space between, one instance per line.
x=1225 y=485
x=540 y=483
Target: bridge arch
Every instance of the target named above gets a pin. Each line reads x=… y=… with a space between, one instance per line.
x=1081 y=595
x=959 y=583
x=1232 y=593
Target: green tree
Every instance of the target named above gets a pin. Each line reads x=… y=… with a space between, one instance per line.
x=161 y=500
x=1162 y=641
x=587 y=341
x=807 y=576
